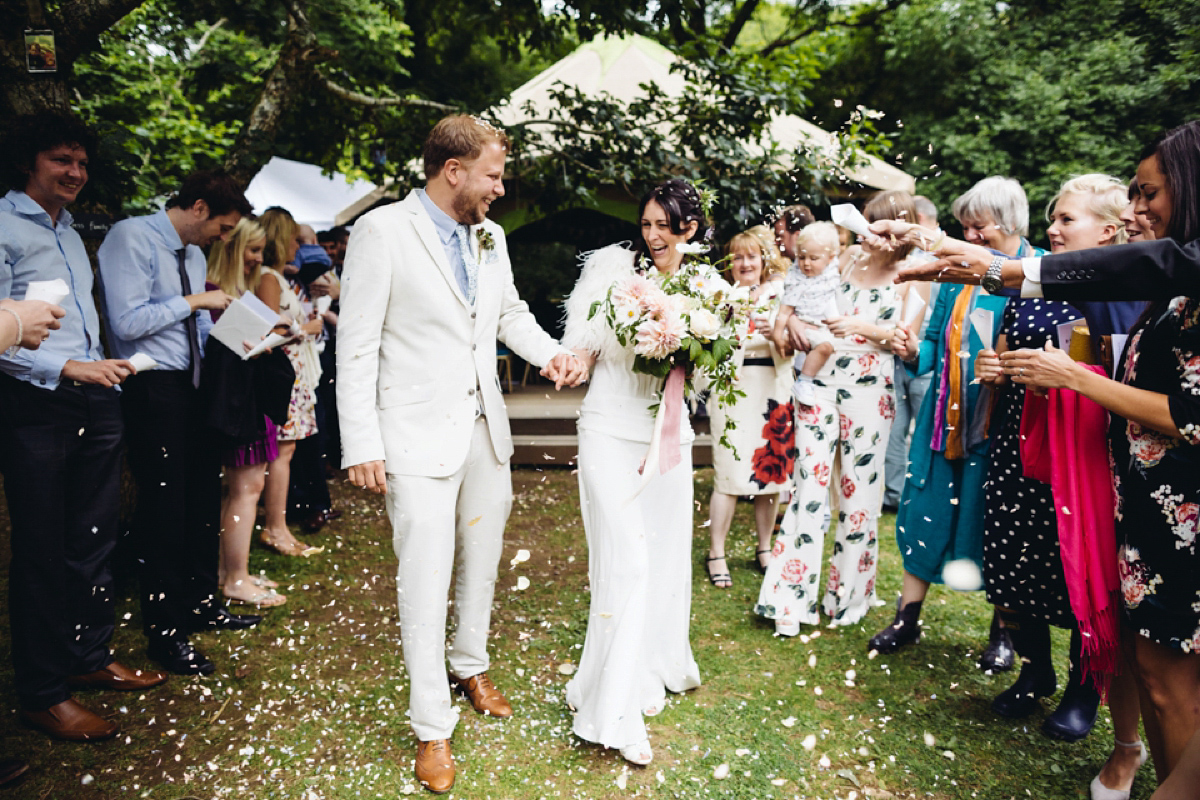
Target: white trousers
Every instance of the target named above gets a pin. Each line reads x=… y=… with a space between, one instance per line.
x=440 y=524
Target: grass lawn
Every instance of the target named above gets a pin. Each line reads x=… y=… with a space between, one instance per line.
x=311 y=703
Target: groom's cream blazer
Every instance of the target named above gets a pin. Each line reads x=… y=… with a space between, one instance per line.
x=415 y=360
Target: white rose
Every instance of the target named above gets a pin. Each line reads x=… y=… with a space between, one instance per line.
x=704 y=324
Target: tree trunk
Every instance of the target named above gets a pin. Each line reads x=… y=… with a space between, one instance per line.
x=76 y=24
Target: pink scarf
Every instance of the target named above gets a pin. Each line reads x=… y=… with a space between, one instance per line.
x=1063 y=443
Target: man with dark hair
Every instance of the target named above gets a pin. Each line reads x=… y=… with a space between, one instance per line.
x=334 y=241
x=60 y=446
x=152 y=271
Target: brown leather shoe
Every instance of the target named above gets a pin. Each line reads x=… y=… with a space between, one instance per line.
x=485 y=697
x=71 y=721
x=118 y=676
x=435 y=765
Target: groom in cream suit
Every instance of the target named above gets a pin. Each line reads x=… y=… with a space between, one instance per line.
x=426 y=291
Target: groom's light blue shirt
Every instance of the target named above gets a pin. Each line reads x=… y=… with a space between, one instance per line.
x=446 y=225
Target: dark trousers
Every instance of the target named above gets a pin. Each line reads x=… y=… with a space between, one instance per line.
x=308 y=492
x=176 y=464
x=60 y=452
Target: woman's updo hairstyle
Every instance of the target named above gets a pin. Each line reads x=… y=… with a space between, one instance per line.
x=680 y=201
x=1178 y=152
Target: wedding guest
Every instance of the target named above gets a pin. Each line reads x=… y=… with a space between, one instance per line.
x=637 y=647
x=758 y=461
x=1155 y=410
x=927 y=213
x=235 y=267
x=282 y=242
x=308 y=492
x=810 y=295
x=910 y=393
x=60 y=440
x=940 y=519
x=843 y=434
x=789 y=221
x=152 y=272
x=1023 y=565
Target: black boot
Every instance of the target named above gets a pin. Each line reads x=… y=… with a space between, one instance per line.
x=999 y=655
x=905 y=629
x=1076 y=712
x=1032 y=640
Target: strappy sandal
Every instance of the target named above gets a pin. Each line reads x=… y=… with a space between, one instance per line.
x=758 y=555
x=721 y=580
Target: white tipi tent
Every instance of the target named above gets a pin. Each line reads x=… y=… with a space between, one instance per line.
x=619 y=65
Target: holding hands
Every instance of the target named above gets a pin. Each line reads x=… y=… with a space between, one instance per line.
x=568 y=369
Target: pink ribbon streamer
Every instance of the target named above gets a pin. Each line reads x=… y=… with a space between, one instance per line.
x=672 y=401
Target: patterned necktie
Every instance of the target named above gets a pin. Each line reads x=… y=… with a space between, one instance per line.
x=189 y=322
x=463 y=233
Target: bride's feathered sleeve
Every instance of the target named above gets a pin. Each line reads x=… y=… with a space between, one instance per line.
x=601 y=269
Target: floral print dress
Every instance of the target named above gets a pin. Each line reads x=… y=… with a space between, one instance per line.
x=841 y=439
x=763 y=453
x=1158 y=483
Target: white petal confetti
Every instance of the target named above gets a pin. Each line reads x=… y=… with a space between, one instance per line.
x=721 y=772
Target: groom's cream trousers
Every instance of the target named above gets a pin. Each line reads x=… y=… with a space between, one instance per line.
x=439 y=524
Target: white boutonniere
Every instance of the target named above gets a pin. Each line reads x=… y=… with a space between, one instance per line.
x=486 y=244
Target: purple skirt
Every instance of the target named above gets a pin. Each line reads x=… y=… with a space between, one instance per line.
x=258 y=452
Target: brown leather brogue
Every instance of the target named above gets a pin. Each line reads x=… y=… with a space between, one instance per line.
x=435 y=765
x=118 y=676
x=71 y=721
x=484 y=696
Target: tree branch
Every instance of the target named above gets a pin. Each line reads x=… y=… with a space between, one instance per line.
x=81 y=21
x=739 y=23
x=862 y=21
x=378 y=102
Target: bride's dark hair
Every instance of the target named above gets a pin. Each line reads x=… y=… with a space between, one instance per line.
x=680 y=201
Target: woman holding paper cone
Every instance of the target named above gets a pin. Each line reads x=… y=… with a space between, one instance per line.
x=1155 y=448
x=1022 y=566
x=236 y=266
x=841 y=437
x=639 y=542
x=940 y=520
x=282 y=243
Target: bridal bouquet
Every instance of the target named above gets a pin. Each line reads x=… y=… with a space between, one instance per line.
x=682 y=324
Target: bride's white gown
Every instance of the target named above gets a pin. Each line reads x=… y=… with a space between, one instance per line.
x=639 y=550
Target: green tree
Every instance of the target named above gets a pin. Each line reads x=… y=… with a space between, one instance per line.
x=1037 y=90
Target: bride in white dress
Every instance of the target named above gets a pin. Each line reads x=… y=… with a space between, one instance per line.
x=639 y=549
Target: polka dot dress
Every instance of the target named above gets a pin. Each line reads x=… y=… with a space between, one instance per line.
x=1022 y=566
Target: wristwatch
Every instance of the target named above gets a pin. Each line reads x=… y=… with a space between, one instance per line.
x=991 y=281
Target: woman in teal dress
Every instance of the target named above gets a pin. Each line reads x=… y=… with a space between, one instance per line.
x=941 y=512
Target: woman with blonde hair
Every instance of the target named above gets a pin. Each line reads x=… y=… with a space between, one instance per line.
x=281 y=245
x=758 y=462
x=235 y=267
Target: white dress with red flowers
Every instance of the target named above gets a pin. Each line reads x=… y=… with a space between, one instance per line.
x=639 y=549
x=842 y=439
x=763 y=440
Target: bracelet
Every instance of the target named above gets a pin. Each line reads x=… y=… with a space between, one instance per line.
x=12 y=351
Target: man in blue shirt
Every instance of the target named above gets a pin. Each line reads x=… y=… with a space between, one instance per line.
x=60 y=445
x=152 y=271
